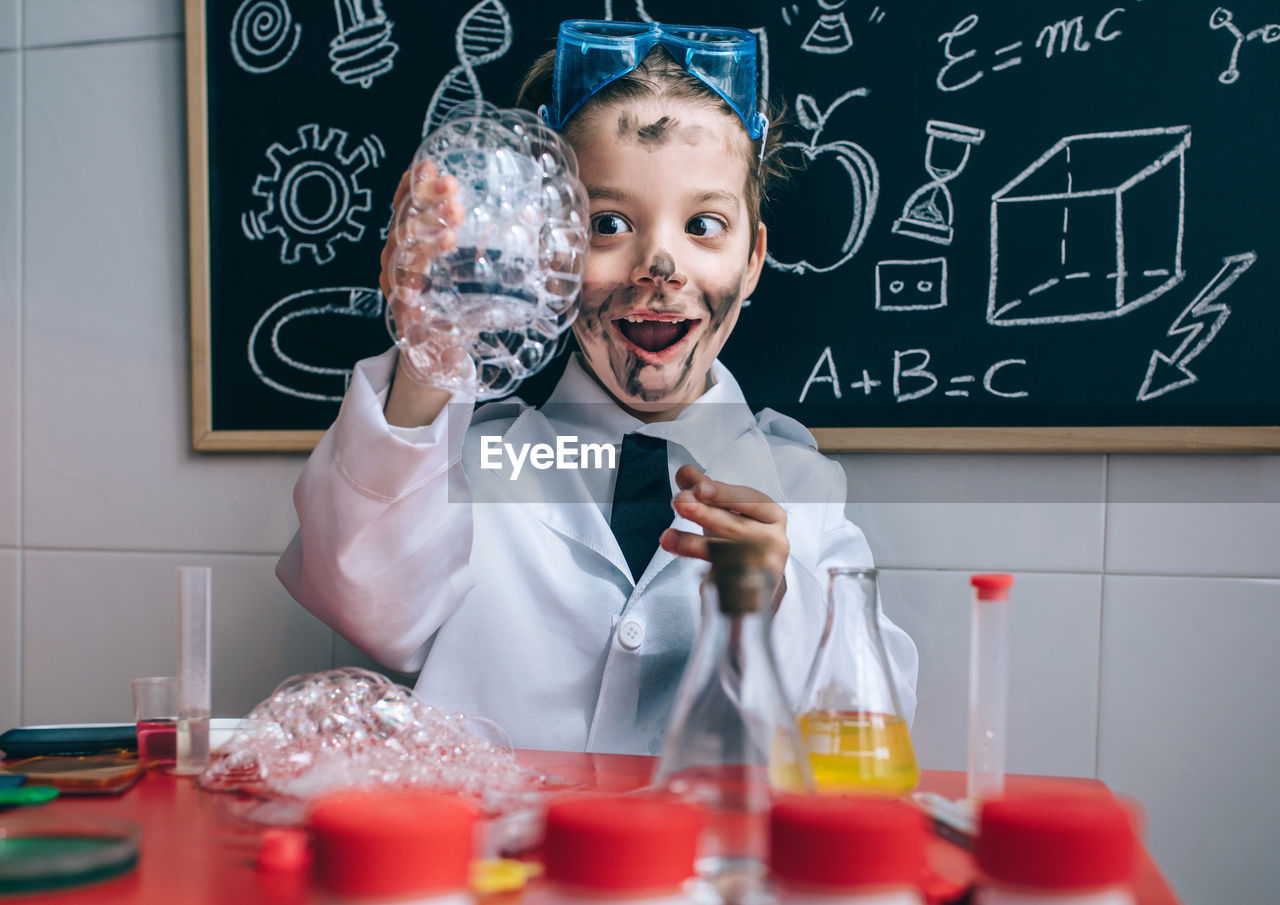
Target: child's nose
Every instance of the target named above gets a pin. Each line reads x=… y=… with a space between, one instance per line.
x=658 y=270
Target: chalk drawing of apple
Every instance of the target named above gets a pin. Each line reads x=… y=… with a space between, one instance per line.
x=827 y=170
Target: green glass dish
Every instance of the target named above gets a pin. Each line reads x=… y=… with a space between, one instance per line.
x=48 y=852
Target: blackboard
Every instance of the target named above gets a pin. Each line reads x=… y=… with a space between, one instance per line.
x=1046 y=225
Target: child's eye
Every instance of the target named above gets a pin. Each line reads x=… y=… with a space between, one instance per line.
x=704 y=226
x=609 y=225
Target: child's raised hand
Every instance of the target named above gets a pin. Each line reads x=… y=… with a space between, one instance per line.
x=730 y=511
x=427 y=213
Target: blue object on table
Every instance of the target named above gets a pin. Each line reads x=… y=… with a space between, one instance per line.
x=68 y=740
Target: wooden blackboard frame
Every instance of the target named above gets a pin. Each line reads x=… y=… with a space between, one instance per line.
x=1081 y=439
x=203 y=437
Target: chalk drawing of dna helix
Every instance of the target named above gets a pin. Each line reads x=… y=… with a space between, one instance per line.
x=483 y=35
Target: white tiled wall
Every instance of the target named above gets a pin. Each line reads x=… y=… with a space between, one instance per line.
x=46 y=22
x=1188 y=726
x=10 y=233
x=10 y=632
x=10 y=24
x=94 y=620
x=1123 y=666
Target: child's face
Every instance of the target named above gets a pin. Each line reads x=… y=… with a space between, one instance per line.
x=671 y=253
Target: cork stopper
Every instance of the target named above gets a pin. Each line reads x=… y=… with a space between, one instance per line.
x=739 y=574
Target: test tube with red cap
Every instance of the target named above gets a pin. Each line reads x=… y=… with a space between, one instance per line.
x=988 y=685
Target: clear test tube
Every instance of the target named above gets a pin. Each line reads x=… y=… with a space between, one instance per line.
x=988 y=685
x=193 y=670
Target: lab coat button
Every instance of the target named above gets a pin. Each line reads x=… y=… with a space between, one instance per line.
x=631 y=634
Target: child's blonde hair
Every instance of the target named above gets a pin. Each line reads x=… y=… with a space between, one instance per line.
x=660 y=76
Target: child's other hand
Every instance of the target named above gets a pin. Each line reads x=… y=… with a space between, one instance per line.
x=427 y=212
x=730 y=511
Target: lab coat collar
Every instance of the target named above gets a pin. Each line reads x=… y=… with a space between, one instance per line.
x=705 y=427
x=717 y=432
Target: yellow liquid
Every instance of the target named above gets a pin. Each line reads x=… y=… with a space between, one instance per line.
x=859 y=752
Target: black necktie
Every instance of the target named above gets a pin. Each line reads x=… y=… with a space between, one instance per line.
x=641 y=500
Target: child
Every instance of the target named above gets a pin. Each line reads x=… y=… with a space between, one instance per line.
x=530 y=611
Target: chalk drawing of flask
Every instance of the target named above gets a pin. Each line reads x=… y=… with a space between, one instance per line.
x=483 y=35
x=363 y=49
x=928 y=212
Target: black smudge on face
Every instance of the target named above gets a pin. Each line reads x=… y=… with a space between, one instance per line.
x=656 y=132
x=720 y=304
x=633 y=375
x=624 y=125
x=662 y=267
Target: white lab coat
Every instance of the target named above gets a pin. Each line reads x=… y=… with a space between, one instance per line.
x=513 y=598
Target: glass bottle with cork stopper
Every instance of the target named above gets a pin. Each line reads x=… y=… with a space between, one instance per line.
x=733 y=743
x=851 y=722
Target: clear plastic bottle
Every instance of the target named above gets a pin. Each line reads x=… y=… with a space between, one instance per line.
x=1074 y=848
x=851 y=723
x=846 y=850
x=617 y=848
x=733 y=742
x=402 y=846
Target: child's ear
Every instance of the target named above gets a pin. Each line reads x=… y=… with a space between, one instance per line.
x=755 y=263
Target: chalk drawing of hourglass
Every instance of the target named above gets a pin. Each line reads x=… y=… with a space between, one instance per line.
x=928 y=212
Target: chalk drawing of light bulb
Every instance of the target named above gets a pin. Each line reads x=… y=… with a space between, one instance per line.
x=826 y=169
x=928 y=212
x=483 y=35
x=363 y=49
x=263 y=35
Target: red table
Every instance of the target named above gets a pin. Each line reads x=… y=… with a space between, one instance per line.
x=194 y=852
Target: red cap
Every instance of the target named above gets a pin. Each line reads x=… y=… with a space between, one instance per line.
x=389 y=842
x=620 y=842
x=1057 y=841
x=992 y=587
x=283 y=849
x=838 y=841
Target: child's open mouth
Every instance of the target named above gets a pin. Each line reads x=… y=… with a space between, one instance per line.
x=654 y=333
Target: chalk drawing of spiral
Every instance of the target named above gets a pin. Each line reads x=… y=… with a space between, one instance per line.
x=483 y=35
x=260 y=35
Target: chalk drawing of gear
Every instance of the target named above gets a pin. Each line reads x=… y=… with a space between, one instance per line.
x=313 y=197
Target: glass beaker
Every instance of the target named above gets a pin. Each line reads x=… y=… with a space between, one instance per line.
x=733 y=741
x=851 y=723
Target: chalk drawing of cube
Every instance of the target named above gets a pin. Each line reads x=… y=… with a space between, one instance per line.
x=1091 y=230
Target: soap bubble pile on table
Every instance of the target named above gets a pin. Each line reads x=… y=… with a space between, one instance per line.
x=491 y=311
x=350 y=727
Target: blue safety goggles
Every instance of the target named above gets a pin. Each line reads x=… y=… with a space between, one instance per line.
x=591 y=53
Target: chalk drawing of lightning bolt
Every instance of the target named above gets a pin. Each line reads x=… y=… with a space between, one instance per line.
x=1166 y=373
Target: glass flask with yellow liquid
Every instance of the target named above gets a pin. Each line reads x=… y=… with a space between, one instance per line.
x=732 y=745
x=851 y=723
